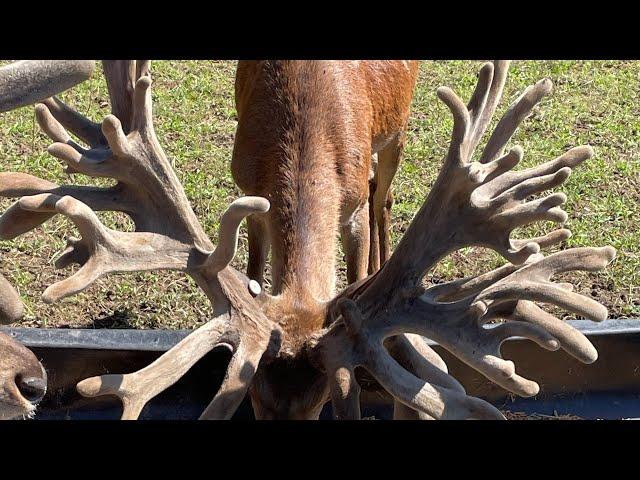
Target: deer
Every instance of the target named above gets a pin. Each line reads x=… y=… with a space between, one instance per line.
x=293 y=371
x=307 y=132
x=344 y=113
x=23 y=379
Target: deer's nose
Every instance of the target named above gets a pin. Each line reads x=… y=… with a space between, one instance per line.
x=32 y=388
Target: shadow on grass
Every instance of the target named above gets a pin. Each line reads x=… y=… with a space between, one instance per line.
x=118 y=319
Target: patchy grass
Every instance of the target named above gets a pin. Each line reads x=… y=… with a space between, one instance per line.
x=593 y=103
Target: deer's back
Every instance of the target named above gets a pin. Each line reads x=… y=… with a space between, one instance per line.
x=348 y=107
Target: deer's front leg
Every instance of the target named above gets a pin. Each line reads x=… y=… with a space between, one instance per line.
x=258 y=249
x=355 y=241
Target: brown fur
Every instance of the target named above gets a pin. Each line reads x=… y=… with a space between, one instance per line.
x=306 y=134
x=305 y=128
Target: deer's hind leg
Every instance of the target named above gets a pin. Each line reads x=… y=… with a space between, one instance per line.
x=388 y=161
x=374 y=239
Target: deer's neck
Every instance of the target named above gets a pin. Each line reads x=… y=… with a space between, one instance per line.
x=306 y=191
x=305 y=213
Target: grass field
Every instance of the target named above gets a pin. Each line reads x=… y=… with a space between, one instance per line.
x=593 y=103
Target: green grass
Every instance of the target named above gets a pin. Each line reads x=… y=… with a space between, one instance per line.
x=592 y=103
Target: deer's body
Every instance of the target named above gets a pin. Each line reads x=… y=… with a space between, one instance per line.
x=306 y=134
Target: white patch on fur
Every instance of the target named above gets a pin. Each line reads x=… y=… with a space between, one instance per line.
x=10 y=411
x=353 y=219
x=382 y=141
x=374 y=166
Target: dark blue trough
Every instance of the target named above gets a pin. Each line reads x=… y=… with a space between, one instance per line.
x=607 y=389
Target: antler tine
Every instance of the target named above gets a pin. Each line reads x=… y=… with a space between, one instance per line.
x=29 y=81
x=11 y=306
x=498 y=80
x=531 y=282
x=54 y=130
x=470 y=122
x=136 y=389
x=142 y=104
x=365 y=349
x=438 y=402
x=54 y=117
x=121 y=76
x=414 y=355
x=102 y=250
x=229 y=228
x=459 y=151
x=571 y=340
x=464 y=287
x=476 y=105
x=240 y=372
x=15 y=221
x=517 y=112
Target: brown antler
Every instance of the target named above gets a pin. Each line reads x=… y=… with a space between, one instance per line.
x=486 y=200
x=11 y=306
x=137 y=388
x=472 y=203
x=350 y=344
x=29 y=81
x=167 y=236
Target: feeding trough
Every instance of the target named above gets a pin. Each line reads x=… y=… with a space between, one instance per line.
x=606 y=389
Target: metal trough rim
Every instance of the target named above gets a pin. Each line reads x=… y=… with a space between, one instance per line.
x=608 y=389
x=160 y=340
